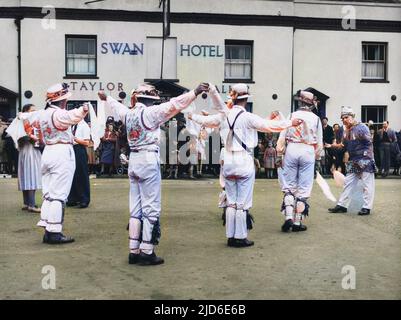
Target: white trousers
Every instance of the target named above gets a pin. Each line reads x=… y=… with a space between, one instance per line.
x=144 y=198
x=351 y=180
x=239 y=178
x=58 y=166
x=298 y=169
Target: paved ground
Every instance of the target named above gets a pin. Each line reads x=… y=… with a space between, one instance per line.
x=198 y=263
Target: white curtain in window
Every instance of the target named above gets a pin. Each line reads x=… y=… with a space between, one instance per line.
x=237 y=70
x=374 y=70
x=81 y=66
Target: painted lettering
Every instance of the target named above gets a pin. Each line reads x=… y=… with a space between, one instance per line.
x=120 y=87
x=127 y=49
x=198 y=51
x=104 y=48
x=185 y=49
x=73 y=83
x=92 y=85
x=136 y=48
x=83 y=86
x=110 y=86
x=218 y=55
x=115 y=47
x=212 y=51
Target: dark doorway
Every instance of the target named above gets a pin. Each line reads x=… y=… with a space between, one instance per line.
x=8 y=103
x=321 y=97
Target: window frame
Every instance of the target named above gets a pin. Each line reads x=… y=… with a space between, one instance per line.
x=365 y=107
x=243 y=43
x=377 y=80
x=79 y=76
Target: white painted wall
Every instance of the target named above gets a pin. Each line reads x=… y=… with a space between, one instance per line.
x=272 y=58
x=8 y=55
x=330 y=61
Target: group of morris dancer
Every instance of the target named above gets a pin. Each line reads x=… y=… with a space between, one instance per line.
x=300 y=141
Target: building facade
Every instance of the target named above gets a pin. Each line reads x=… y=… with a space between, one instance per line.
x=346 y=52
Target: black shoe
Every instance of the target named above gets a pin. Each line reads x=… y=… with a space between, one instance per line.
x=56 y=238
x=241 y=243
x=46 y=237
x=287 y=225
x=298 y=228
x=364 y=212
x=149 y=259
x=133 y=258
x=71 y=204
x=83 y=205
x=337 y=209
x=231 y=242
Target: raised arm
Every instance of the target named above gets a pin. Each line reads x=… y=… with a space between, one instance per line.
x=30 y=116
x=65 y=118
x=212 y=121
x=218 y=103
x=264 y=125
x=158 y=114
x=117 y=107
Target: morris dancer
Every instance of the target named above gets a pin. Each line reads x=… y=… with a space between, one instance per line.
x=143 y=133
x=238 y=169
x=304 y=146
x=361 y=164
x=58 y=159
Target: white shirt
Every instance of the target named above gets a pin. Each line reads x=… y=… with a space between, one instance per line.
x=246 y=126
x=83 y=131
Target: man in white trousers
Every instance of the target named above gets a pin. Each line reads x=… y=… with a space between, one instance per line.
x=304 y=144
x=143 y=133
x=239 y=169
x=58 y=159
x=361 y=164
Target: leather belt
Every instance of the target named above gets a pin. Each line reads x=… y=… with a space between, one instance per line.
x=52 y=144
x=138 y=150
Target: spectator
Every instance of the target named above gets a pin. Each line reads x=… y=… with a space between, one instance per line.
x=3 y=155
x=269 y=160
x=328 y=137
x=386 y=137
x=338 y=153
x=80 y=189
x=108 y=147
x=11 y=151
x=396 y=153
x=29 y=163
x=91 y=155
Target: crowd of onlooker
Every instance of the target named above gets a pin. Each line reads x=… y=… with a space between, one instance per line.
x=106 y=160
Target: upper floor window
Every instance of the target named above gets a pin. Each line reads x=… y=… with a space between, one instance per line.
x=238 y=60
x=80 y=55
x=374 y=61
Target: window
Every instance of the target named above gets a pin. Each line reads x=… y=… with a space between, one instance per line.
x=374 y=61
x=238 y=60
x=80 y=55
x=377 y=114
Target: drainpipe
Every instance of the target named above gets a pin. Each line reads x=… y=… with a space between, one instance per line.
x=292 y=70
x=17 y=22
